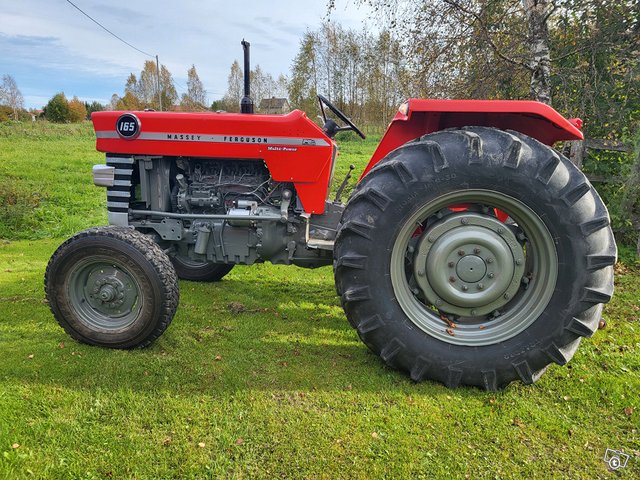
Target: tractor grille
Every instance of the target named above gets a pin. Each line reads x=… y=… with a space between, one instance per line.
x=119 y=195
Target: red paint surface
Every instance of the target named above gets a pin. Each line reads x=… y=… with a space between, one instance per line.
x=309 y=167
x=534 y=119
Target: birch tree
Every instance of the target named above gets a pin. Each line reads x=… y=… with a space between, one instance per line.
x=10 y=95
x=196 y=97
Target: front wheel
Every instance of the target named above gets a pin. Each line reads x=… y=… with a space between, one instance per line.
x=474 y=257
x=112 y=287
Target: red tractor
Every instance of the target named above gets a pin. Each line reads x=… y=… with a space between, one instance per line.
x=470 y=252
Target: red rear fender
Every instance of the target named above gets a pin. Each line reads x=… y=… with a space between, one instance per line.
x=534 y=119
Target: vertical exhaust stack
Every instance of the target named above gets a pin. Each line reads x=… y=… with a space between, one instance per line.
x=246 y=104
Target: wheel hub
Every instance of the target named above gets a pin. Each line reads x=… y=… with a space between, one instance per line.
x=471 y=268
x=108 y=290
x=469 y=264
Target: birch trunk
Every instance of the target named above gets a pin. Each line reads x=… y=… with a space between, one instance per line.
x=537 y=12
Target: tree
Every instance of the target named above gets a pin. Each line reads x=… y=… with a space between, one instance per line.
x=147 y=86
x=11 y=96
x=262 y=85
x=282 y=86
x=235 y=88
x=77 y=110
x=94 y=106
x=115 y=98
x=142 y=92
x=132 y=85
x=474 y=47
x=167 y=89
x=128 y=102
x=303 y=86
x=57 y=109
x=362 y=74
x=196 y=97
x=594 y=51
x=218 y=105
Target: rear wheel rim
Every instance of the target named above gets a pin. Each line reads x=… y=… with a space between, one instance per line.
x=509 y=269
x=104 y=294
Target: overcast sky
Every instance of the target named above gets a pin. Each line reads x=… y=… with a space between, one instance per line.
x=48 y=46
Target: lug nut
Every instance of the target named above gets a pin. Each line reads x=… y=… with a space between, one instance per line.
x=451 y=264
x=411 y=249
x=421 y=273
x=507 y=296
x=431 y=238
x=490 y=260
x=438 y=302
x=500 y=230
x=461 y=252
x=473 y=312
x=491 y=275
x=452 y=279
x=476 y=250
x=519 y=261
x=480 y=286
x=464 y=221
x=525 y=280
x=465 y=288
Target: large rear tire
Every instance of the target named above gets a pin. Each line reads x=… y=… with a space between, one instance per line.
x=113 y=287
x=474 y=257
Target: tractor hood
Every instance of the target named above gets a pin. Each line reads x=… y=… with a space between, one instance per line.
x=294 y=148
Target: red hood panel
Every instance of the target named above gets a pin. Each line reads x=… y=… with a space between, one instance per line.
x=294 y=148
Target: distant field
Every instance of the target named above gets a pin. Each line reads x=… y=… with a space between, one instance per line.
x=260 y=376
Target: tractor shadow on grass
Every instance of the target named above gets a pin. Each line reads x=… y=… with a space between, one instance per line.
x=262 y=328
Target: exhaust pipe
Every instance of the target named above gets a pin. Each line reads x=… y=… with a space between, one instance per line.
x=246 y=104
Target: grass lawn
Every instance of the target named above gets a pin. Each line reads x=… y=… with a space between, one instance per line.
x=260 y=376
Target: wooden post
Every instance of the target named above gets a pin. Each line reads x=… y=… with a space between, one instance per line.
x=577 y=152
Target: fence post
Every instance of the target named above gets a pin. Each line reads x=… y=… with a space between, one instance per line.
x=576 y=153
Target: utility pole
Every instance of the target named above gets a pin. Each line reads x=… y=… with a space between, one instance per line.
x=159 y=88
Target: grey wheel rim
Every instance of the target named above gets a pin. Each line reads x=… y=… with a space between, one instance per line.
x=104 y=294
x=467 y=278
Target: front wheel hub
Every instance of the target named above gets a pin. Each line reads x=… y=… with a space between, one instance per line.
x=469 y=264
x=105 y=294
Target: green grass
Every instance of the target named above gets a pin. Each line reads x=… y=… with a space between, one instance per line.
x=260 y=376
x=46 y=188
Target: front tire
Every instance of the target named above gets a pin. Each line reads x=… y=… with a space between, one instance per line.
x=113 y=287
x=474 y=257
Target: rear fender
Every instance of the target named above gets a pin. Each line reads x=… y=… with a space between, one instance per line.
x=419 y=117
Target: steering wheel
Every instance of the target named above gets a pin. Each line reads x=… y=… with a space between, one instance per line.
x=333 y=129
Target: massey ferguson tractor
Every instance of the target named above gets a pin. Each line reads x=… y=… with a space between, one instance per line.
x=470 y=252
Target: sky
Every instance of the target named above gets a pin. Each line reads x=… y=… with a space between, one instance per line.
x=49 y=47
